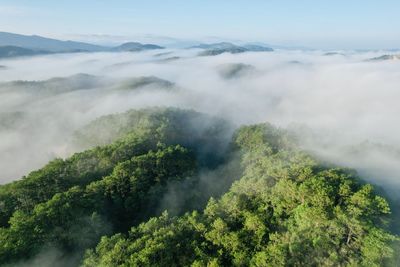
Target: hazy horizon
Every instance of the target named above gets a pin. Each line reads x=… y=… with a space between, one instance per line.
x=317 y=25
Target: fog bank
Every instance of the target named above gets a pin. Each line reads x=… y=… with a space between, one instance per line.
x=343 y=99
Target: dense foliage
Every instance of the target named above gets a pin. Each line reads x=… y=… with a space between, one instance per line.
x=70 y=203
x=284 y=209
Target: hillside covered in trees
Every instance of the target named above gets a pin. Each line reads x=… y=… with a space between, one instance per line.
x=171 y=187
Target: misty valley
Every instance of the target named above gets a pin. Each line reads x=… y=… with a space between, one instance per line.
x=214 y=154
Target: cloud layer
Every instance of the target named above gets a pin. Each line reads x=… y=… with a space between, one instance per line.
x=341 y=99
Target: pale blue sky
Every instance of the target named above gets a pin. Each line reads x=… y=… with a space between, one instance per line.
x=313 y=23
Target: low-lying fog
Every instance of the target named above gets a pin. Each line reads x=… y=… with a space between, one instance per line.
x=345 y=107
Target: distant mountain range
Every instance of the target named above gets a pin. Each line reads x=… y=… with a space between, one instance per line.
x=14 y=45
x=225 y=47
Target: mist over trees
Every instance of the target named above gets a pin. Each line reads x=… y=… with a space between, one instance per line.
x=202 y=179
x=272 y=203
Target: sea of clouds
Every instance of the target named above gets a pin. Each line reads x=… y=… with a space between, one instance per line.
x=344 y=107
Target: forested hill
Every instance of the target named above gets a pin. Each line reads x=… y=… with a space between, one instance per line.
x=169 y=187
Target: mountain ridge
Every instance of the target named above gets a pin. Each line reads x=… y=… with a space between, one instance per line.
x=16 y=45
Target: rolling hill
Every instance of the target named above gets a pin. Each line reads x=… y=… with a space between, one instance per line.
x=9 y=51
x=226 y=47
x=136 y=47
x=385 y=58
